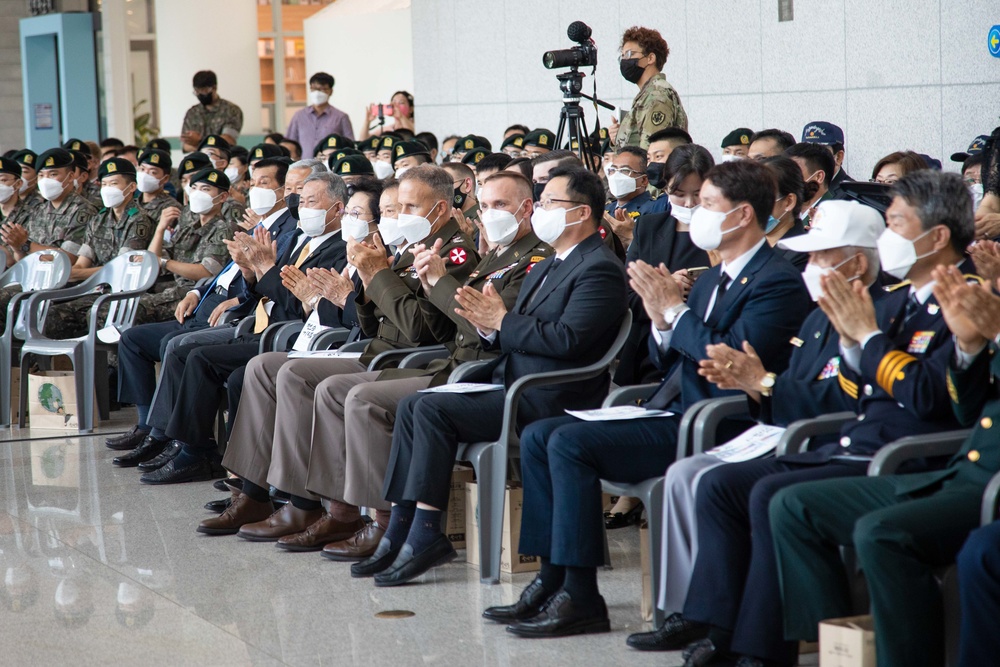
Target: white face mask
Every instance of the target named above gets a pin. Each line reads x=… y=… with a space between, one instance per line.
x=501 y=226
x=262 y=200
x=550 y=225
x=388 y=229
x=729 y=158
x=415 y=227
x=317 y=97
x=706 y=228
x=50 y=188
x=382 y=169
x=977 y=195
x=813 y=273
x=146 y=182
x=898 y=254
x=250 y=172
x=24 y=187
x=232 y=173
x=683 y=213
x=401 y=171
x=6 y=192
x=112 y=196
x=200 y=201
x=620 y=185
x=353 y=227
x=312 y=221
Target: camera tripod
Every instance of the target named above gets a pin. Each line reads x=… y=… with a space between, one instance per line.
x=571 y=120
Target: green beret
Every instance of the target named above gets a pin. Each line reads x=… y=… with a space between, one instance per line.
x=156 y=158
x=516 y=140
x=25 y=156
x=159 y=144
x=115 y=165
x=738 y=137
x=475 y=155
x=76 y=145
x=55 y=158
x=10 y=166
x=261 y=151
x=193 y=162
x=215 y=141
x=215 y=177
x=541 y=138
x=333 y=141
x=408 y=148
x=340 y=154
x=353 y=165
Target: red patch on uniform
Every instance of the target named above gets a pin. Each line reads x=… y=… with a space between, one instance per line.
x=604 y=232
x=458 y=256
x=530 y=267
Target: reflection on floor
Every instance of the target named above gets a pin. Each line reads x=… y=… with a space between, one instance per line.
x=99 y=569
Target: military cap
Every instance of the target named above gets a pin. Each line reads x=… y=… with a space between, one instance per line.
x=240 y=153
x=156 y=158
x=407 y=148
x=214 y=141
x=159 y=144
x=115 y=165
x=333 y=141
x=193 y=162
x=261 y=151
x=975 y=148
x=822 y=132
x=516 y=140
x=353 y=165
x=55 y=158
x=215 y=177
x=388 y=141
x=470 y=141
x=75 y=145
x=474 y=156
x=541 y=138
x=371 y=144
x=81 y=160
x=25 y=156
x=738 y=137
x=10 y=166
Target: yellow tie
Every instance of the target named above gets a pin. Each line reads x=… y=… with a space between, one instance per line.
x=261 y=318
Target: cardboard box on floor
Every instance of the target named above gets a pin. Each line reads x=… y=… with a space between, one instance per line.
x=847 y=642
x=52 y=401
x=455 y=519
x=511 y=562
x=647 y=575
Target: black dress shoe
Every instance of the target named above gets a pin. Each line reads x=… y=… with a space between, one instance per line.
x=150 y=448
x=228 y=484
x=703 y=652
x=173 y=449
x=673 y=635
x=219 y=506
x=529 y=604
x=384 y=556
x=199 y=471
x=128 y=440
x=623 y=519
x=562 y=617
x=408 y=565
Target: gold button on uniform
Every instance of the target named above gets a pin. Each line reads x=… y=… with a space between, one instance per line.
x=986 y=422
x=974 y=456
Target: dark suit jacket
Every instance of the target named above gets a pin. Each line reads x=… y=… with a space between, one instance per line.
x=765 y=305
x=564 y=317
x=331 y=255
x=835 y=190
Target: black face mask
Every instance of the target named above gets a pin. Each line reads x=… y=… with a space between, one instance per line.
x=536 y=191
x=460 y=197
x=205 y=99
x=292 y=201
x=654 y=170
x=630 y=69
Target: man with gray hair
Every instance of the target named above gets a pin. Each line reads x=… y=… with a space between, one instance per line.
x=192 y=368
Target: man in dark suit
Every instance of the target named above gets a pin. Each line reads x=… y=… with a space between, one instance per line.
x=754 y=295
x=203 y=307
x=567 y=314
x=197 y=368
x=893 y=358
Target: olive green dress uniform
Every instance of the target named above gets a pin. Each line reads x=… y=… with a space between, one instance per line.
x=903 y=527
x=657 y=106
x=223 y=118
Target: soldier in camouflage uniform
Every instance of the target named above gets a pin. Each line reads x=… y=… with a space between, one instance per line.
x=212 y=114
x=643 y=55
x=27 y=158
x=151 y=177
x=14 y=209
x=196 y=249
x=88 y=189
x=120 y=226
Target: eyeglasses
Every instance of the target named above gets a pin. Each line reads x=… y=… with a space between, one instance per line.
x=356 y=213
x=624 y=171
x=626 y=55
x=884 y=181
x=548 y=202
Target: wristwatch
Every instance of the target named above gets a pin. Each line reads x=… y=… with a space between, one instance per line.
x=25 y=247
x=670 y=314
x=163 y=262
x=767 y=384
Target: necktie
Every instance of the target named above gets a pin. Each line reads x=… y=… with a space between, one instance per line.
x=912 y=308
x=262 y=319
x=552 y=269
x=720 y=292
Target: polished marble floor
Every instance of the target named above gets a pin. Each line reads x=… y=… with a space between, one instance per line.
x=99 y=569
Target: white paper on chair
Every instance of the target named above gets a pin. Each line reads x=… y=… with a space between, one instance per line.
x=109 y=335
x=309 y=331
x=751 y=444
x=462 y=388
x=618 y=413
x=323 y=354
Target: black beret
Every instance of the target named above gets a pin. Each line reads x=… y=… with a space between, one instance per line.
x=541 y=138
x=372 y=143
x=353 y=165
x=10 y=166
x=738 y=137
x=340 y=154
x=55 y=158
x=75 y=145
x=261 y=151
x=408 y=148
x=214 y=141
x=193 y=162
x=159 y=144
x=115 y=165
x=25 y=156
x=333 y=141
x=81 y=160
x=475 y=155
x=516 y=140
x=156 y=158
x=214 y=177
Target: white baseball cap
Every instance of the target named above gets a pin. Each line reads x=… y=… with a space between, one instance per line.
x=837 y=224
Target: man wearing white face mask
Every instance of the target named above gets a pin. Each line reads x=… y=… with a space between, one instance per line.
x=152 y=176
x=14 y=210
x=320 y=118
x=28 y=160
x=628 y=183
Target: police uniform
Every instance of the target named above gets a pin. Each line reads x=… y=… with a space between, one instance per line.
x=223 y=117
x=655 y=107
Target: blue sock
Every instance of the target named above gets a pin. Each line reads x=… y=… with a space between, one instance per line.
x=187 y=457
x=158 y=433
x=399 y=524
x=143 y=416
x=425 y=529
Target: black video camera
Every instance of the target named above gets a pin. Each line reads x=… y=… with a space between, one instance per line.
x=584 y=55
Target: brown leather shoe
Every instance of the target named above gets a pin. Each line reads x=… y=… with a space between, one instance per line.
x=241 y=511
x=321 y=533
x=362 y=545
x=286 y=521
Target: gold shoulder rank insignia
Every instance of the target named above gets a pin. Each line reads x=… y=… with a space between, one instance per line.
x=893 y=288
